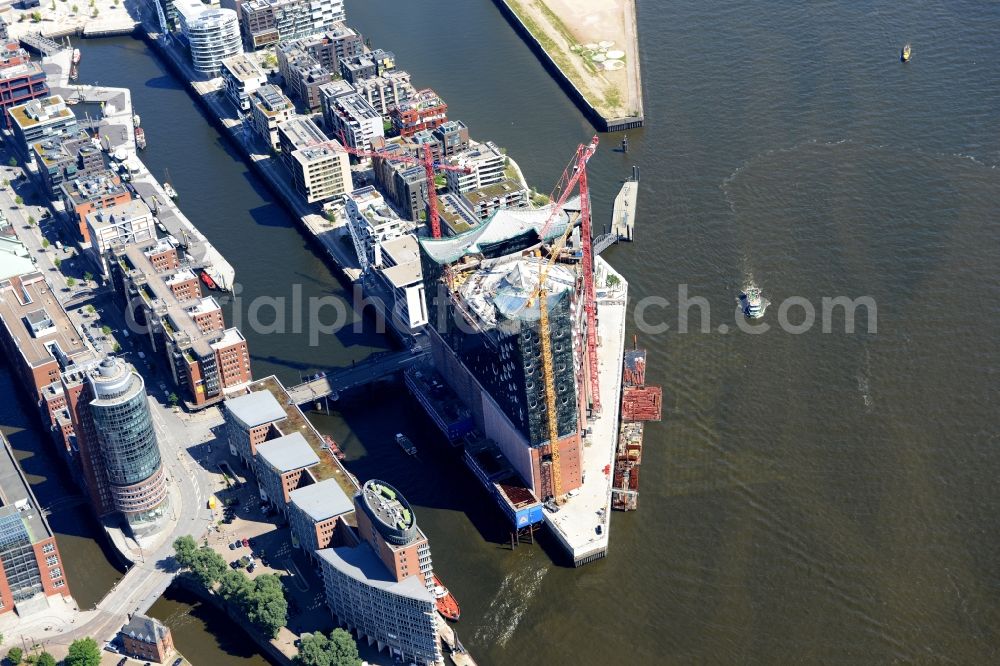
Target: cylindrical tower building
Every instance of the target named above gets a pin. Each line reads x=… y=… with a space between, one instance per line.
x=131 y=455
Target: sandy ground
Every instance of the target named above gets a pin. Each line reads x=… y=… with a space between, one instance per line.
x=59 y=17
x=569 y=23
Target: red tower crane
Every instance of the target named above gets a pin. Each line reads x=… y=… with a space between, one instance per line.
x=427 y=161
x=573 y=175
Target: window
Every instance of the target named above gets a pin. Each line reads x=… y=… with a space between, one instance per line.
x=49 y=548
x=51 y=561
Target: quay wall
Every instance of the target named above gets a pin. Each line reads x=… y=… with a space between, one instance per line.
x=600 y=122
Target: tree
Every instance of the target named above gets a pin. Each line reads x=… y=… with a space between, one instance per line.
x=6 y=183
x=83 y=652
x=91 y=309
x=36 y=17
x=173 y=399
x=14 y=656
x=106 y=330
x=75 y=9
x=12 y=162
x=88 y=276
x=116 y=348
x=234 y=586
x=58 y=262
x=70 y=282
x=45 y=659
x=184 y=548
x=18 y=200
x=337 y=650
x=31 y=220
x=95 y=12
x=265 y=605
x=45 y=243
x=208 y=567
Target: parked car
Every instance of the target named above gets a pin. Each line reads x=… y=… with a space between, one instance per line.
x=251 y=567
x=235 y=564
x=232 y=546
x=123 y=661
x=236 y=544
x=246 y=542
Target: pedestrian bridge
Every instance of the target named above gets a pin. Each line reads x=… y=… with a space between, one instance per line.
x=372 y=369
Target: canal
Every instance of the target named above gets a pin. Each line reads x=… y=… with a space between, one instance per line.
x=824 y=495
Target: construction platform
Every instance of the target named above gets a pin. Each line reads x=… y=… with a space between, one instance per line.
x=517 y=502
x=440 y=402
x=582 y=523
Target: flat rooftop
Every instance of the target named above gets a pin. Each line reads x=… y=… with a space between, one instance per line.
x=288 y=453
x=575 y=524
x=96 y=186
x=155 y=290
x=16 y=496
x=363 y=565
x=243 y=68
x=302 y=132
x=329 y=467
x=256 y=408
x=494 y=191
x=26 y=300
x=322 y=501
x=405 y=254
x=43 y=110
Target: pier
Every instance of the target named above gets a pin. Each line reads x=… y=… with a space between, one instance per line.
x=622 y=219
x=40 y=44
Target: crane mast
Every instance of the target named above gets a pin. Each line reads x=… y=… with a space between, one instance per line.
x=574 y=174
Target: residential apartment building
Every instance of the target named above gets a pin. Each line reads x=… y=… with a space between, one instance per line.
x=270 y=108
x=281 y=466
x=424 y=110
x=267 y=22
x=39 y=119
x=21 y=79
x=353 y=118
x=31 y=568
x=164 y=298
x=452 y=137
x=122 y=224
x=60 y=159
x=388 y=91
x=403 y=183
x=383 y=588
x=241 y=76
x=251 y=420
x=388 y=250
x=146 y=639
x=119 y=452
x=484 y=164
x=212 y=34
x=366 y=65
x=329 y=47
x=91 y=192
x=303 y=74
x=487 y=200
x=322 y=172
x=314 y=512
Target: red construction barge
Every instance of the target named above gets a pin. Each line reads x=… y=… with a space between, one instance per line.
x=640 y=403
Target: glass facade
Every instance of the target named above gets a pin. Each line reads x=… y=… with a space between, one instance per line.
x=18 y=556
x=128 y=446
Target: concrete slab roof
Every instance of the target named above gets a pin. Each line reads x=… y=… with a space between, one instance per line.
x=322 y=500
x=288 y=453
x=254 y=409
x=364 y=566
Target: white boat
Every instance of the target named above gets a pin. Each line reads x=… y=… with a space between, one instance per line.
x=170 y=191
x=405 y=443
x=136 y=120
x=76 y=56
x=753 y=303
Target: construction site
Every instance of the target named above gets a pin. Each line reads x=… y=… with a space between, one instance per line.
x=527 y=334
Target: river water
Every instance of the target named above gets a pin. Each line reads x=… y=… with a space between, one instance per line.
x=821 y=497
